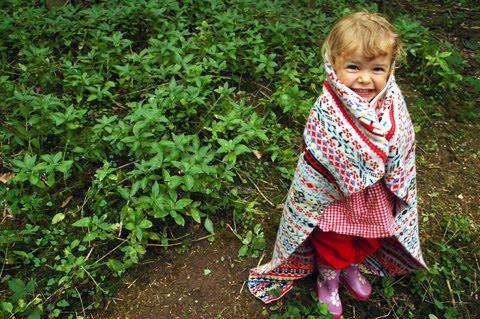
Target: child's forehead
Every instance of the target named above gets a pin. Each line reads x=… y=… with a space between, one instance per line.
x=358 y=54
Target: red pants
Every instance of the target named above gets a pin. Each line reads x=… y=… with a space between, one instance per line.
x=339 y=251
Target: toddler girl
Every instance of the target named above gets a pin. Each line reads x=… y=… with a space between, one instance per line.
x=353 y=197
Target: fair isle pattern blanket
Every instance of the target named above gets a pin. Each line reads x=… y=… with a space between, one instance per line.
x=348 y=146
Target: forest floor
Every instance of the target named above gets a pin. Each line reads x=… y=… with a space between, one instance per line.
x=207 y=280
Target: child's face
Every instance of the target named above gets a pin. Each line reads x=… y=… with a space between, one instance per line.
x=366 y=77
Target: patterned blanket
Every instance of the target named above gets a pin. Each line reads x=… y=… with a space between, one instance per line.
x=348 y=146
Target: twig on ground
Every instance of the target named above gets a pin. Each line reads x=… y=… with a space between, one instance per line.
x=385 y=316
x=420 y=148
x=120 y=228
x=466 y=9
x=165 y=245
x=451 y=292
x=132 y=283
x=89 y=253
x=93 y=279
x=204 y=237
x=111 y=251
x=260 y=260
x=476 y=261
x=389 y=312
x=81 y=302
x=84 y=202
x=125 y=165
x=243 y=285
x=55 y=292
x=234 y=232
x=4 y=261
x=475 y=282
x=263 y=86
x=258 y=189
x=181 y=243
x=463 y=25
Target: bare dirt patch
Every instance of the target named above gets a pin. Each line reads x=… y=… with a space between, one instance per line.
x=206 y=281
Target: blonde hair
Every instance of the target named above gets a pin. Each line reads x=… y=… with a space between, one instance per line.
x=369 y=33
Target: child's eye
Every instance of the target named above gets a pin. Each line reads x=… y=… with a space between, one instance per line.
x=352 y=67
x=379 y=69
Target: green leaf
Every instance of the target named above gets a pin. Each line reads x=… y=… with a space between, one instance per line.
x=248 y=238
x=189 y=181
x=206 y=271
x=208 y=225
x=34 y=179
x=155 y=189
x=438 y=304
x=145 y=223
x=322 y=308
x=116 y=265
x=63 y=303
x=16 y=285
x=90 y=236
x=58 y=218
x=34 y=315
x=242 y=252
x=84 y=222
x=175 y=181
x=241 y=148
x=182 y=203
x=179 y=220
x=195 y=213
x=8 y=307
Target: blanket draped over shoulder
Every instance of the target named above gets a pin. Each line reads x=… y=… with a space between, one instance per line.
x=348 y=146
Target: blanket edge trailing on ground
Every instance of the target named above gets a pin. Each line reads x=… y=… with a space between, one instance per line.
x=347 y=148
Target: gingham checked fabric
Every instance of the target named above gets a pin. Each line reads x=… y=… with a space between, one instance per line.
x=368 y=213
x=348 y=147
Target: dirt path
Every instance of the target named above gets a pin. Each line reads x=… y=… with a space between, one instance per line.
x=207 y=281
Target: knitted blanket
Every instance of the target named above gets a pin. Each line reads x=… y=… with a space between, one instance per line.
x=348 y=146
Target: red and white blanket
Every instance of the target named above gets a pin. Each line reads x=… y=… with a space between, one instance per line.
x=348 y=147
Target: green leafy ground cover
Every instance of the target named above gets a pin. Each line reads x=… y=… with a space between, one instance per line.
x=123 y=123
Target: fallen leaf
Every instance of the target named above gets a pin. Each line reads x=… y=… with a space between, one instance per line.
x=6 y=177
x=206 y=271
x=460 y=196
x=257 y=154
x=66 y=201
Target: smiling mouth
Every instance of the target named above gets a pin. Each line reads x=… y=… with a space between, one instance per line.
x=364 y=92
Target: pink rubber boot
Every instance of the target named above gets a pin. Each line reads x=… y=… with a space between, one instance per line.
x=356 y=283
x=327 y=290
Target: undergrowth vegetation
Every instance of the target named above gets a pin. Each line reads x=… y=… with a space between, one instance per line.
x=125 y=122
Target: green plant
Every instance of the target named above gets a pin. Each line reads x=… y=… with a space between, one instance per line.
x=252 y=243
x=295 y=310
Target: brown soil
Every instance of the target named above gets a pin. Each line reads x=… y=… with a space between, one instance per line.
x=176 y=285
x=173 y=284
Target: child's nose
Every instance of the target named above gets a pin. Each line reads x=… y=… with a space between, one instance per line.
x=364 y=77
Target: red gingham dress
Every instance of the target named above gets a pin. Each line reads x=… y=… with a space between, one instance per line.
x=366 y=214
